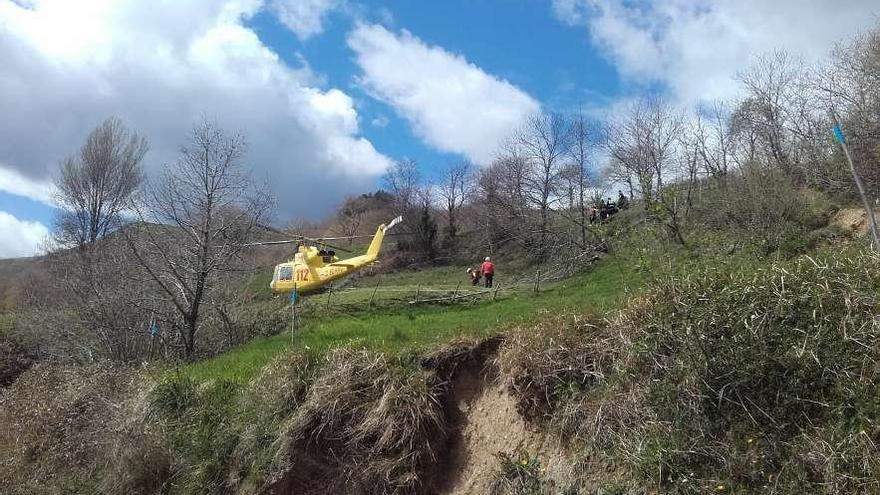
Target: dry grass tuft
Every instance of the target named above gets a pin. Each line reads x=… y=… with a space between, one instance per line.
x=55 y=425
x=269 y=400
x=138 y=458
x=519 y=474
x=544 y=366
x=446 y=359
x=368 y=425
x=282 y=385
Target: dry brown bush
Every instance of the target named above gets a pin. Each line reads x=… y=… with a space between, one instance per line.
x=13 y=362
x=368 y=426
x=269 y=400
x=55 y=422
x=137 y=460
x=545 y=364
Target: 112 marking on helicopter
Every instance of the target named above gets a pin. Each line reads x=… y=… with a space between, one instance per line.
x=312 y=268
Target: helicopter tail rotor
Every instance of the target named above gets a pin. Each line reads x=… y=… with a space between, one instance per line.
x=376 y=244
x=393 y=223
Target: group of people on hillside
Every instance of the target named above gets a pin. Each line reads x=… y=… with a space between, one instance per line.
x=604 y=209
x=486 y=271
x=607 y=208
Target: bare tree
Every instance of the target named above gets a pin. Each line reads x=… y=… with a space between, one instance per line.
x=404 y=181
x=584 y=139
x=850 y=87
x=93 y=189
x=193 y=225
x=504 y=187
x=351 y=216
x=489 y=202
x=710 y=138
x=425 y=226
x=641 y=145
x=543 y=142
x=96 y=184
x=769 y=111
x=454 y=189
x=413 y=200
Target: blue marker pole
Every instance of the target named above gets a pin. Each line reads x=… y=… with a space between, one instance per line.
x=294 y=297
x=869 y=210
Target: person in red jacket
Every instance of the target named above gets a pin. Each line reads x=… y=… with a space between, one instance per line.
x=488 y=270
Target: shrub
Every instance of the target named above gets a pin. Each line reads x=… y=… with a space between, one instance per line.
x=13 y=361
x=766 y=206
x=756 y=377
x=519 y=474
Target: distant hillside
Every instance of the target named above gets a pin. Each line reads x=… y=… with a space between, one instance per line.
x=17 y=277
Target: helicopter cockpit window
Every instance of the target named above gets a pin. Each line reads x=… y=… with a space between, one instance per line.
x=285 y=273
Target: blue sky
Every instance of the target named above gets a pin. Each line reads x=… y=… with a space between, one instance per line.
x=329 y=93
x=521 y=41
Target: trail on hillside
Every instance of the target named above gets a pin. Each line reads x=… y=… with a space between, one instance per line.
x=481 y=421
x=487 y=423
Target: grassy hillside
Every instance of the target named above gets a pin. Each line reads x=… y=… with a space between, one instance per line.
x=712 y=367
x=400 y=327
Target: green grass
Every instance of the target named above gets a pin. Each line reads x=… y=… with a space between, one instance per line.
x=405 y=328
x=443 y=275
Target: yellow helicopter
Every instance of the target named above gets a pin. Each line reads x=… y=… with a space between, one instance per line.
x=312 y=268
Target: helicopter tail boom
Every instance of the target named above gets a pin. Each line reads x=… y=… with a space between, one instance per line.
x=376 y=244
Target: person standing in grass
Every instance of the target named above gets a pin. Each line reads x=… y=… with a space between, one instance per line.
x=488 y=269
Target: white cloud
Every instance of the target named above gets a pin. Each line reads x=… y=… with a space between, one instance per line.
x=160 y=67
x=304 y=17
x=452 y=104
x=20 y=237
x=16 y=183
x=695 y=47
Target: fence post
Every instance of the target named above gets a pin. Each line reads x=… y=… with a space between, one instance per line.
x=374 y=292
x=293 y=297
x=537 y=280
x=495 y=294
x=456 y=289
x=329 y=294
x=869 y=210
x=418 y=291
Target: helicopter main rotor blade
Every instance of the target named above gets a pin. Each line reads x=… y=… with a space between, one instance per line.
x=320 y=240
x=272 y=243
x=365 y=236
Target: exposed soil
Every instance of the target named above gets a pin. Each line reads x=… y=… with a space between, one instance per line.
x=482 y=421
x=852 y=220
x=491 y=425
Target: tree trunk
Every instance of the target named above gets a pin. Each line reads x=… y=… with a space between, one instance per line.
x=189 y=338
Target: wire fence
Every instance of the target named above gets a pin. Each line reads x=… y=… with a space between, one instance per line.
x=349 y=299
